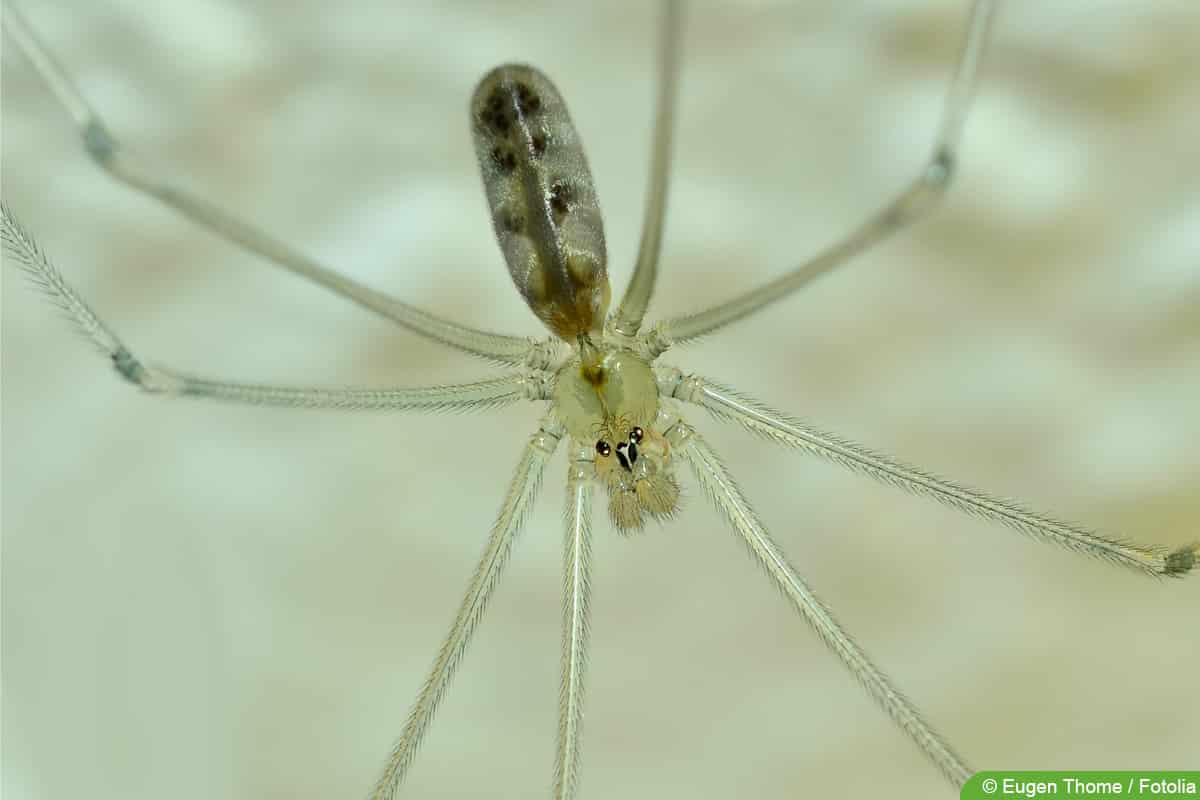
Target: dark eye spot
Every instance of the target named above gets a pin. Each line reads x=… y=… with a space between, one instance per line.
x=636 y=435
x=603 y=448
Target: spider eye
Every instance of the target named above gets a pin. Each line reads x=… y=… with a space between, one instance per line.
x=636 y=435
x=603 y=448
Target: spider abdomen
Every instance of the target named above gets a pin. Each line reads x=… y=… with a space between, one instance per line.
x=543 y=202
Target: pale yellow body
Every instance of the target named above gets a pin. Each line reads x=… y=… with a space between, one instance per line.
x=547 y=220
x=602 y=399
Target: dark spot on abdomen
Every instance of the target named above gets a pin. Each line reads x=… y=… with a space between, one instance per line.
x=561 y=197
x=528 y=101
x=511 y=221
x=504 y=158
x=494 y=116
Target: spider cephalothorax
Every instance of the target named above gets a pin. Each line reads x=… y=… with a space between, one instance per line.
x=610 y=399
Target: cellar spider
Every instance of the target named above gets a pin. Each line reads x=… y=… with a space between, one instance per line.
x=788 y=514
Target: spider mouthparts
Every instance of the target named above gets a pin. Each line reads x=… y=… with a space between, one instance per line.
x=626 y=457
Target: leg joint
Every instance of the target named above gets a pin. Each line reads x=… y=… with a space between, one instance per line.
x=547 y=436
x=148 y=380
x=925 y=191
x=538 y=386
x=129 y=368
x=940 y=170
x=98 y=142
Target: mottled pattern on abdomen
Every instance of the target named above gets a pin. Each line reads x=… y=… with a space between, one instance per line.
x=542 y=198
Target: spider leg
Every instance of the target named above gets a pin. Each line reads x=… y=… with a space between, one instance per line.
x=628 y=318
x=764 y=421
x=522 y=492
x=160 y=380
x=577 y=554
x=104 y=149
x=728 y=498
x=913 y=202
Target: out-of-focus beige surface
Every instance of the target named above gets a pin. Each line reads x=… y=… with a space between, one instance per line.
x=204 y=600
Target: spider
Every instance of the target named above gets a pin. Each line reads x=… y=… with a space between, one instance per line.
x=584 y=133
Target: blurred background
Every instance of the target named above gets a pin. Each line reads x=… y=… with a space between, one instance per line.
x=204 y=600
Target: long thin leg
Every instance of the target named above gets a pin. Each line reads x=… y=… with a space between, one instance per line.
x=103 y=148
x=159 y=380
x=764 y=421
x=917 y=199
x=628 y=318
x=522 y=491
x=577 y=554
x=730 y=502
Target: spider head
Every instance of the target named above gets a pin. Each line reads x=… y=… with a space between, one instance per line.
x=635 y=472
x=609 y=401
